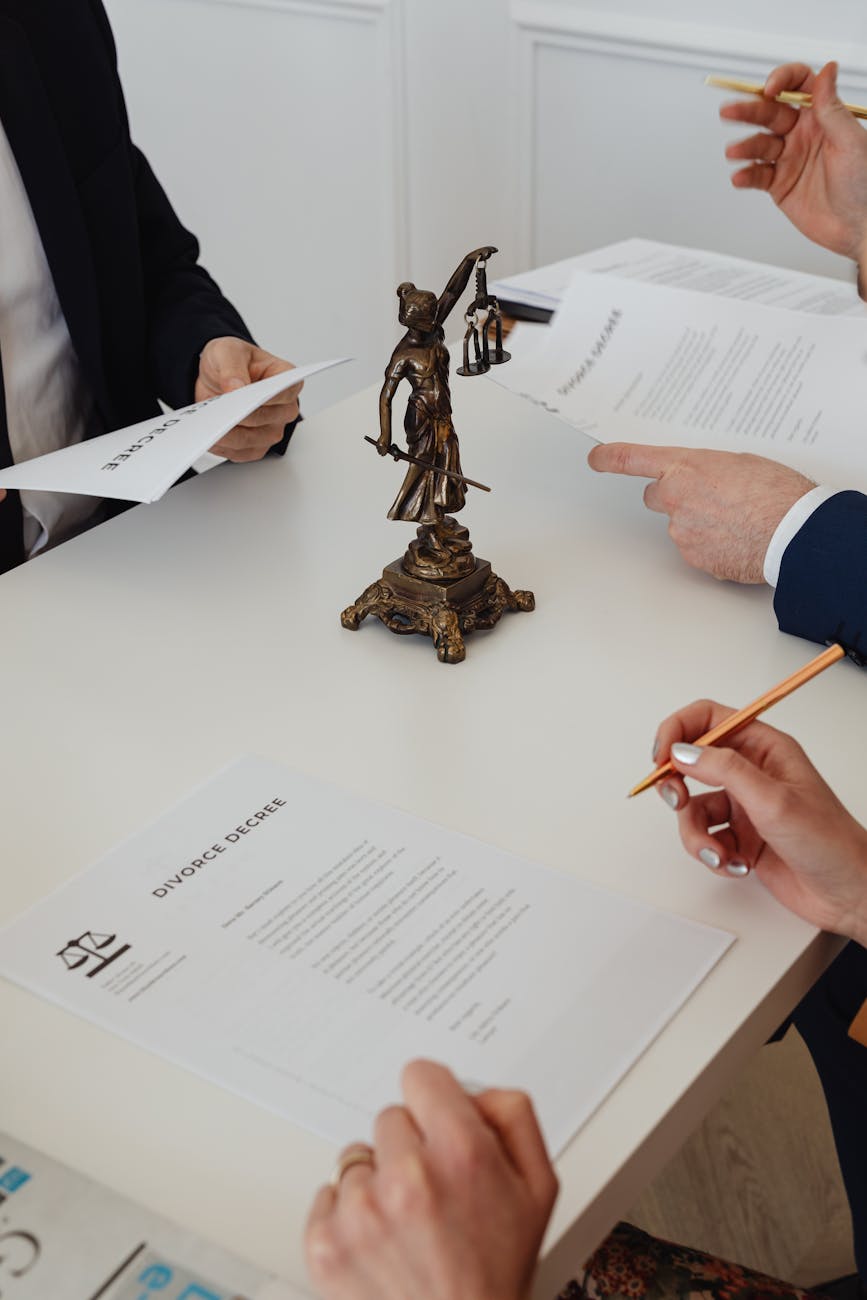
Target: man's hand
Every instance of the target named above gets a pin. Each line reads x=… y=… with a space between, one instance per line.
x=812 y=161
x=454 y=1203
x=227 y=364
x=723 y=506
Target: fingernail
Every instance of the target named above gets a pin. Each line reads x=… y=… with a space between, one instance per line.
x=687 y=754
x=669 y=793
x=655 y=749
x=709 y=857
x=737 y=869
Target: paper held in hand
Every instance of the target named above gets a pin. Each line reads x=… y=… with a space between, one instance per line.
x=650 y=364
x=142 y=462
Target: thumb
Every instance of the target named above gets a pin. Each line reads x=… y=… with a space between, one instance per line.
x=830 y=111
x=225 y=364
x=753 y=789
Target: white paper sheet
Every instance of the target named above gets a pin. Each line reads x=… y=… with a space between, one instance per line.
x=142 y=462
x=650 y=364
x=66 y=1237
x=687 y=268
x=299 y=945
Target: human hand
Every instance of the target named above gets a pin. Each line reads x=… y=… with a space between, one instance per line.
x=773 y=815
x=2 y=494
x=812 y=161
x=723 y=506
x=229 y=363
x=454 y=1203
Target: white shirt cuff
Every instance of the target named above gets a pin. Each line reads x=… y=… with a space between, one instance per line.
x=791 y=523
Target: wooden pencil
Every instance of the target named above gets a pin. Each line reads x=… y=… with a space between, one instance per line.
x=744 y=716
x=795 y=97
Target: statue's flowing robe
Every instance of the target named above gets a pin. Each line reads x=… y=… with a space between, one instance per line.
x=430 y=436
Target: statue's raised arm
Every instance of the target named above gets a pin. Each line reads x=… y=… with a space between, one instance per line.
x=459 y=281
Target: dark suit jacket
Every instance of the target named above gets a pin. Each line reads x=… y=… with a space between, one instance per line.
x=822 y=589
x=138 y=306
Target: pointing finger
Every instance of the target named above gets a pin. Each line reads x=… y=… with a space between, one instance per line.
x=630 y=458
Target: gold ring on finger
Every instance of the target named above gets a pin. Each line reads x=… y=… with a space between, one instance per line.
x=357 y=1155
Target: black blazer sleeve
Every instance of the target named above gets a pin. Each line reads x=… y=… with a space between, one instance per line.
x=822 y=589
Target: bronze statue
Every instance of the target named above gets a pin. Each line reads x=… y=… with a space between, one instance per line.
x=438 y=587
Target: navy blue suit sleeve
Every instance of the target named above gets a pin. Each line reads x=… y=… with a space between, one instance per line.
x=822 y=588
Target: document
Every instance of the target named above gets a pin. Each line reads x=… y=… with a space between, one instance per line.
x=142 y=462
x=638 y=362
x=299 y=945
x=697 y=269
x=65 y=1237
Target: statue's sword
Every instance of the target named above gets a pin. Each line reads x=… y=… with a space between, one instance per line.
x=396 y=452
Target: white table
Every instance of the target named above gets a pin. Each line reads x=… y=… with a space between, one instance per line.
x=141 y=657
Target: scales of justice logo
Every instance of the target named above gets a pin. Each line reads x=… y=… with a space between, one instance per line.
x=91 y=953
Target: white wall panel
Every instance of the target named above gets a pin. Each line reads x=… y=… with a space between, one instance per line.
x=619 y=135
x=276 y=129
x=460 y=138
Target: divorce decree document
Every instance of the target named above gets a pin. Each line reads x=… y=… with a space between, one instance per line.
x=299 y=944
x=648 y=363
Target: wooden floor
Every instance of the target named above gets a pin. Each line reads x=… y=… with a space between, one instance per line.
x=759 y=1181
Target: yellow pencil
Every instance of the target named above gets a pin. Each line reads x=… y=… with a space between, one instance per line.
x=746 y=715
x=794 y=97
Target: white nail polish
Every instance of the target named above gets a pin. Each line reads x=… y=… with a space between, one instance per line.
x=687 y=754
x=709 y=857
x=669 y=795
x=737 y=869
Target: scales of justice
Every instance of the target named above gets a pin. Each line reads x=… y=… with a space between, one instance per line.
x=438 y=587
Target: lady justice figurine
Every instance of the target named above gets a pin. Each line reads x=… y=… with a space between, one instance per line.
x=438 y=587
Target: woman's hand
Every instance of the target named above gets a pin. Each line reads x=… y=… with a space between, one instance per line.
x=812 y=161
x=451 y=1201
x=773 y=815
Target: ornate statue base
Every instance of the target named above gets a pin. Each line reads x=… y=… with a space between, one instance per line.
x=441 y=607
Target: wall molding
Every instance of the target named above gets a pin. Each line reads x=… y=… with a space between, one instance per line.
x=676 y=42
x=398 y=127
x=369 y=11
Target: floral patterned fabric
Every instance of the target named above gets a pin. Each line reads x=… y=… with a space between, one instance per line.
x=631 y=1265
